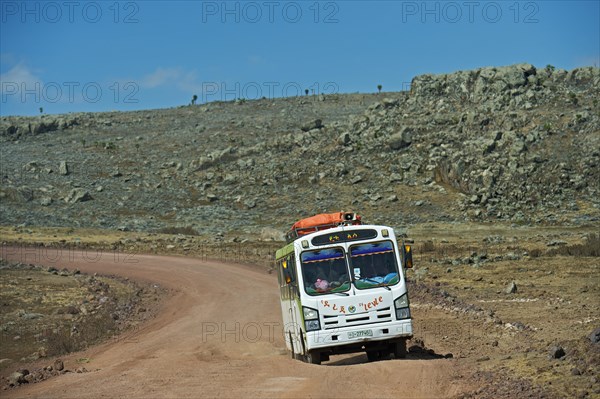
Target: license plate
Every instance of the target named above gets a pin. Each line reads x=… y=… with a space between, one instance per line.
x=360 y=334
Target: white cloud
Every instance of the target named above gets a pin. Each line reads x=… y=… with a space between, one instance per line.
x=20 y=75
x=184 y=80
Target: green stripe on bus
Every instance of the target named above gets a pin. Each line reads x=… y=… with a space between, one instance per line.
x=288 y=249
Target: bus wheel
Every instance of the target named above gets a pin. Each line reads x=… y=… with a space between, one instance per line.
x=373 y=356
x=313 y=357
x=400 y=349
x=384 y=355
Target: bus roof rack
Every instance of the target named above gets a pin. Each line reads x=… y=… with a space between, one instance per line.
x=320 y=222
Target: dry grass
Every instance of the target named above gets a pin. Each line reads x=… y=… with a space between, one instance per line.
x=94 y=330
x=188 y=231
x=590 y=247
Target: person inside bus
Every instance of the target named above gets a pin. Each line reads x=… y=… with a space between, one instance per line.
x=322 y=278
x=338 y=274
x=315 y=278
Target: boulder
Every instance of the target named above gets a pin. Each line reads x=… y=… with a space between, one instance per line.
x=557 y=352
x=512 y=288
x=401 y=139
x=594 y=337
x=315 y=124
x=77 y=195
x=63 y=168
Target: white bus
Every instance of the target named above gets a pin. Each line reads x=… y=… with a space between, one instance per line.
x=343 y=290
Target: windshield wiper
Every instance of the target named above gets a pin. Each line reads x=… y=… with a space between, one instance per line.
x=378 y=284
x=340 y=293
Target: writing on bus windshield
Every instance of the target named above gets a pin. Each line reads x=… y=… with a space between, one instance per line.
x=325 y=271
x=373 y=265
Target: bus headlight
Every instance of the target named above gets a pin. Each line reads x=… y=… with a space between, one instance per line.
x=402 y=307
x=311 y=319
x=403 y=313
x=312 y=325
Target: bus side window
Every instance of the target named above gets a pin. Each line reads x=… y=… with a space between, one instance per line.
x=288 y=273
x=292 y=268
x=279 y=273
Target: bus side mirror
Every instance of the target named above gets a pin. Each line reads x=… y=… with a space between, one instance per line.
x=408 y=261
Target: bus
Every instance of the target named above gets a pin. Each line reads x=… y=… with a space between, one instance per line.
x=343 y=289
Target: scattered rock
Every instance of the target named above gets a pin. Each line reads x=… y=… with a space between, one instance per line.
x=512 y=288
x=63 y=168
x=16 y=378
x=344 y=138
x=77 y=195
x=594 y=337
x=401 y=139
x=356 y=180
x=315 y=124
x=58 y=365
x=557 y=352
x=271 y=234
x=31 y=316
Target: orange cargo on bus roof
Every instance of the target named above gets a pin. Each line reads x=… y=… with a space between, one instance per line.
x=326 y=219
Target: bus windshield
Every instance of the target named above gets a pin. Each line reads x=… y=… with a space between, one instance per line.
x=325 y=271
x=373 y=265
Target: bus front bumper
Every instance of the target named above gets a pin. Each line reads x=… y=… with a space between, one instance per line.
x=359 y=335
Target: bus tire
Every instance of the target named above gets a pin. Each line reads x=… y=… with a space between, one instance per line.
x=373 y=356
x=400 y=349
x=313 y=357
x=385 y=355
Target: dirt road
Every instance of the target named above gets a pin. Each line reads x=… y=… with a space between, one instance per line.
x=218 y=335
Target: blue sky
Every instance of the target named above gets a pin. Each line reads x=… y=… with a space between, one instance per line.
x=73 y=56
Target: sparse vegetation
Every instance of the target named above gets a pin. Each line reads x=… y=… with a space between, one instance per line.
x=187 y=230
x=194 y=99
x=108 y=145
x=590 y=247
x=573 y=98
x=61 y=311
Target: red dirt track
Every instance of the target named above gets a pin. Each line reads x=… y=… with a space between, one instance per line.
x=218 y=335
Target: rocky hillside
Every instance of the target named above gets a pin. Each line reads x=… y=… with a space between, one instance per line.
x=512 y=143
